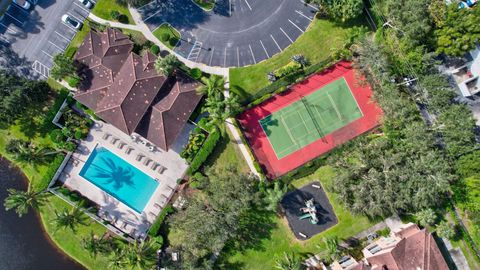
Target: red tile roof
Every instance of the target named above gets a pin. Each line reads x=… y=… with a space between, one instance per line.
x=125 y=90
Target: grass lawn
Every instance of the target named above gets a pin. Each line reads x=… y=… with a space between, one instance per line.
x=316 y=45
x=69 y=242
x=227 y=154
x=167 y=35
x=205 y=4
x=282 y=240
x=78 y=39
x=103 y=8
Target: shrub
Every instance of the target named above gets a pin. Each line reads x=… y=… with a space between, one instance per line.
x=165 y=37
x=153 y=232
x=196 y=73
x=115 y=14
x=204 y=152
x=123 y=19
x=288 y=69
x=74 y=81
x=57 y=136
x=155 y=49
x=195 y=141
x=173 y=41
x=52 y=169
x=47 y=124
x=78 y=134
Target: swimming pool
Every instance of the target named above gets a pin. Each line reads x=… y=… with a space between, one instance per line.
x=119 y=178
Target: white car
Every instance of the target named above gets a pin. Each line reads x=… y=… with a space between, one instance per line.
x=71 y=22
x=23 y=4
x=86 y=3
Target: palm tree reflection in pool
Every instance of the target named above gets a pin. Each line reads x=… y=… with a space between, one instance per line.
x=113 y=174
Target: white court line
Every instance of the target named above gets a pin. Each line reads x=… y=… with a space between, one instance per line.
x=47 y=54
x=303 y=15
x=238 y=58
x=211 y=56
x=56 y=46
x=149 y=17
x=248 y=5
x=11 y=16
x=82 y=8
x=291 y=41
x=225 y=57
x=265 y=49
x=312 y=6
x=251 y=51
x=296 y=26
x=280 y=49
x=67 y=39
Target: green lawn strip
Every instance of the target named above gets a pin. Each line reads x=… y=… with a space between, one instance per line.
x=167 y=35
x=205 y=4
x=227 y=154
x=103 y=9
x=316 y=45
x=71 y=242
x=282 y=240
x=78 y=39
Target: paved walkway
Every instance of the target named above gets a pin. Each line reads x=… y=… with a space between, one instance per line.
x=456 y=255
x=142 y=27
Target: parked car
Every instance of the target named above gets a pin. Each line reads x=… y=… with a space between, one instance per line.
x=68 y=20
x=23 y=4
x=86 y=3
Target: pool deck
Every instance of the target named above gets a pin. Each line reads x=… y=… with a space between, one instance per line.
x=117 y=213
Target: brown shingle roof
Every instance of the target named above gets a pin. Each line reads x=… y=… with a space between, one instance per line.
x=125 y=90
x=417 y=251
x=170 y=110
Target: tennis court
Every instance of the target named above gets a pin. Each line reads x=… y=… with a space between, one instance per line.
x=311 y=118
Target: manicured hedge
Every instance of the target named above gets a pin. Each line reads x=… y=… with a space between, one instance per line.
x=153 y=232
x=47 y=124
x=205 y=151
x=52 y=169
x=288 y=69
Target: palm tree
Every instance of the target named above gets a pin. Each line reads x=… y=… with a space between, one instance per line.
x=274 y=195
x=22 y=200
x=70 y=219
x=95 y=245
x=116 y=260
x=426 y=217
x=331 y=244
x=140 y=255
x=211 y=85
x=289 y=262
x=167 y=64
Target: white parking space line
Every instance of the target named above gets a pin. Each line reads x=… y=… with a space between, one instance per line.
x=248 y=4
x=291 y=41
x=312 y=6
x=301 y=30
x=152 y=2
x=56 y=46
x=69 y=27
x=81 y=7
x=225 y=57
x=211 y=56
x=4 y=39
x=280 y=49
x=303 y=15
x=67 y=39
x=23 y=10
x=238 y=58
x=268 y=56
x=70 y=14
x=149 y=17
x=47 y=54
x=251 y=51
x=9 y=28
x=11 y=16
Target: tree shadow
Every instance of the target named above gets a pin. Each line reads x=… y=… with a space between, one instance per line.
x=14 y=64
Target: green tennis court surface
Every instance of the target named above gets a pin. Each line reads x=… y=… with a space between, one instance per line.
x=311 y=117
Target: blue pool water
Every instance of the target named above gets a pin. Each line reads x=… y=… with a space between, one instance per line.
x=119 y=178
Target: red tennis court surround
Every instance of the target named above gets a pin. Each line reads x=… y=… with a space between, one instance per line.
x=260 y=144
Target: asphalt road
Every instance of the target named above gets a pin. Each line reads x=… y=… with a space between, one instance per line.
x=39 y=34
x=236 y=33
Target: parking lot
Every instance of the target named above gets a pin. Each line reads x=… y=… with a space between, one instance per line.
x=39 y=33
x=236 y=33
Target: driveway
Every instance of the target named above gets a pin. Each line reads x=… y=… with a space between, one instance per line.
x=236 y=33
x=39 y=34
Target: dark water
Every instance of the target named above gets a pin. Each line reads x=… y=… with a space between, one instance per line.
x=23 y=244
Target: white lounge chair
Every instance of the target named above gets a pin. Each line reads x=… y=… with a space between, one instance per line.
x=128 y=150
x=106 y=136
x=139 y=157
x=161 y=169
x=121 y=145
x=147 y=162
x=155 y=166
x=114 y=140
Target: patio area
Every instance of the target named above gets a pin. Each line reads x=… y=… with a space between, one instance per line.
x=163 y=166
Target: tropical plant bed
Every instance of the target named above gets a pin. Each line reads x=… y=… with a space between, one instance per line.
x=168 y=35
x=206 y=5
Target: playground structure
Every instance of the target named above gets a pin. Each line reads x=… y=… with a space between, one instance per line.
x=309 y=211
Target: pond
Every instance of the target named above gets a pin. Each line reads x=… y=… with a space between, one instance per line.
x=23 y=243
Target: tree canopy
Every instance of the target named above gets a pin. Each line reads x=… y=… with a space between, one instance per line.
x=340 y=10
